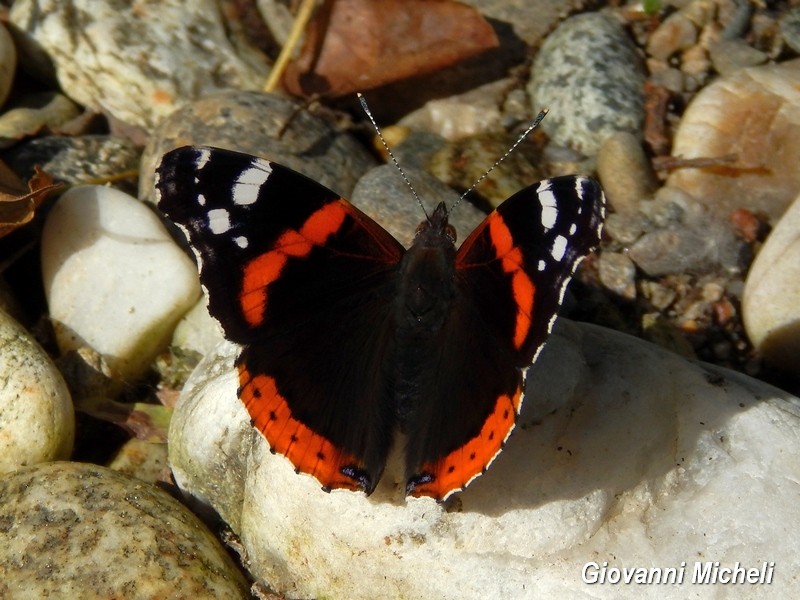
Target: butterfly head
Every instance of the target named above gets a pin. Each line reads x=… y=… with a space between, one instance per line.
x=435 y=229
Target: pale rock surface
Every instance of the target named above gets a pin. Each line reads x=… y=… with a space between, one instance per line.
x=754 y=115
x=771 y=300
x=8 y=63
x=72 y=530
x=37 y=422
x=139 y=61
x=624 y=453
x=115 y=280
x=197 y=331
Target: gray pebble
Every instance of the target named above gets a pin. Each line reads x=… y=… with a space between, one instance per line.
x=790 y=28
x=728 y=56
x=590 y=76
x=618 y=274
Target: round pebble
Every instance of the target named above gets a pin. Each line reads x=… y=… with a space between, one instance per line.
x=771 y=301
x=615 y=421
x=71 y=530
x=625 y=171
x=675 y=33
x=728 y=56
x=752 y=115
x=114 y=278
x=139 y=61
x=383 y=195
x=589 y=75
x=618 y=274
x=37 y=423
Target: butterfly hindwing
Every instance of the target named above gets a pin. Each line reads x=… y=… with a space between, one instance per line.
x=304 y=281
x=510 y=276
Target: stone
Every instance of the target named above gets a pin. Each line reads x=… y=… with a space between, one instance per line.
x=8 y=63
x=115 y=280
x=753 y=115
x=618 y=274
x=589 y=74
x=675 y=33
x=771 y=301
x=139 y=62
x=33 y=113
x=72 y=530
x=624 y=453
x=625 y=172
x=76 y=159
x=37 y=421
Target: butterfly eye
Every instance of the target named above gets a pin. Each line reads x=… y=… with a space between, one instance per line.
x=450 y=232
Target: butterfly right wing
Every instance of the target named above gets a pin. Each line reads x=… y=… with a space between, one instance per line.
x=305 y=282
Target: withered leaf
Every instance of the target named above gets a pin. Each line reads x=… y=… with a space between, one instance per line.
x=17 y=206
x=354 y=45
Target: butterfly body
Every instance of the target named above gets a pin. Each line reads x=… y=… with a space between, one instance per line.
x=348 y=338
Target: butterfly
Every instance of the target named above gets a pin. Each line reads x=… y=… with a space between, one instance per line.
x=347 y=337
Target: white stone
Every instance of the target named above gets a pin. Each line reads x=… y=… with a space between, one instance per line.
x=114 y=278
x=197 y=330
x=624 y=453
x=37 y=422
x=139 y=61
x=771 y=300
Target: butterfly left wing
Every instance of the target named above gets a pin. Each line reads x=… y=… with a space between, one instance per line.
x=511 y=274
x=303 y=281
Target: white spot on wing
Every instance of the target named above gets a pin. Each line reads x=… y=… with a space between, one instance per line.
x=249 y=182
x=559 y=248
x=241 y=241
x=203 y=156
x=219 y=221
x=541 y=266
x=201 y=200
x=549 y=205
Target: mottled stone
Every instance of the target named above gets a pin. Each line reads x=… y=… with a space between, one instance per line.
x=590 y=76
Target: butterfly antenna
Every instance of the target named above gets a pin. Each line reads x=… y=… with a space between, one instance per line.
x=366 y=109
x=524 y=134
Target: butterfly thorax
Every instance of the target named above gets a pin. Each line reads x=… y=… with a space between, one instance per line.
x=426 y=276
x=427 y=289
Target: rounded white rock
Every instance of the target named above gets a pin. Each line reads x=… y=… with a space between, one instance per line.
x=771 y=299
x=624 y=453
x=114 y=278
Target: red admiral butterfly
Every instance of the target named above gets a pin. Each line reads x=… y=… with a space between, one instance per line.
x=347 y=337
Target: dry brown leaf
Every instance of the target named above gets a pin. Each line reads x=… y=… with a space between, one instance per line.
x=354 y=45
x=17 y=206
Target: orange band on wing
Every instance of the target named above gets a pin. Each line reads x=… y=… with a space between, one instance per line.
x=308 y=451
x=441 y=478
x=261 y=271
x=522 y=285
